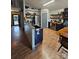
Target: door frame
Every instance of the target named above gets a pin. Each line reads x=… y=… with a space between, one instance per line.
x=12 y=21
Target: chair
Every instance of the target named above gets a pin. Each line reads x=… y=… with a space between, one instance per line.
x=63 y=41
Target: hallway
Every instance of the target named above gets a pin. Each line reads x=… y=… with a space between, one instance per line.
x=19 y=42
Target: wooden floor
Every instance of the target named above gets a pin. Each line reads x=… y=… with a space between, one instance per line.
x=46 y=50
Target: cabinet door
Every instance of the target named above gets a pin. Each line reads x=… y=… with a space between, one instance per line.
x=37 y=36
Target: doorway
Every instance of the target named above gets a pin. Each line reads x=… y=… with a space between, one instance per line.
x=15 y=19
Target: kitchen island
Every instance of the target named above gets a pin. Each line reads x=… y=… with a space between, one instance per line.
x=35 y=34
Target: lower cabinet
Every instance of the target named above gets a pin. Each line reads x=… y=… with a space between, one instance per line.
x=37 y=37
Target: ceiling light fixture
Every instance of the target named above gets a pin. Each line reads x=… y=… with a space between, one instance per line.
x=48 y=2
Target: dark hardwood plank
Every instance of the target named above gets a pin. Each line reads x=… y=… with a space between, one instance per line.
x=47 y=50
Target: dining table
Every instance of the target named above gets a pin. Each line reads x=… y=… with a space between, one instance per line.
x=63 y=37
x=63 y=32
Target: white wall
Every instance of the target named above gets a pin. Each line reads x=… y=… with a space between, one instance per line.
x=56 y=11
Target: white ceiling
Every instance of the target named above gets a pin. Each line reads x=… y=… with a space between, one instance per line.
x=58 y=4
